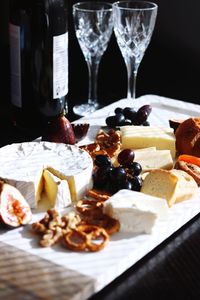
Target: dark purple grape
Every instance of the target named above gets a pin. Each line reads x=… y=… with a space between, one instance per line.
x=133 y=119
x=118 y=110
x=146 y=123
x=118 y=174
x=102 y=160
x=127 y=184
x=135 y=122
x=147 y=108
x=126 y=157
x=113 y=187
x=141 y=117
x=127 y=122
x=120 y=119
x=101 y=177
x=135 y=169
x=136 y=183
x=129 y=112
x=111 y=121
x=143 y=113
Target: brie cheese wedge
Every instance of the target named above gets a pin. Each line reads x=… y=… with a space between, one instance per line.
x=22 y=165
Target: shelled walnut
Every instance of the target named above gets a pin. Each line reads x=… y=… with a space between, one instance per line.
x=106 y=143
x=53 y=226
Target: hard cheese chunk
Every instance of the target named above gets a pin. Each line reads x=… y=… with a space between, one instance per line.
x=136 y=213
x=150 y=158
x=173 y=185
x=136 y=137
x=154 y=159
x=56 y=190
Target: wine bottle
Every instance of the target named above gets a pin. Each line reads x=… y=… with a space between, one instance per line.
x=43 y=61
x=20 y=56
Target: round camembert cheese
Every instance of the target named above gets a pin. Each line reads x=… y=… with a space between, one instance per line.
x=23 y=166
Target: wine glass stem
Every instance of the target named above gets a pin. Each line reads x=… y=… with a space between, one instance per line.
x=132 y=75
x=93 y=67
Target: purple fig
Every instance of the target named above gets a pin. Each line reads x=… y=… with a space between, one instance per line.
x=59 y=131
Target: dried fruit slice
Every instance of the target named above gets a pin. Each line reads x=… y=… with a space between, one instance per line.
x=189 y=159
x=14 y=210
x=188 y=137
x=190 y=168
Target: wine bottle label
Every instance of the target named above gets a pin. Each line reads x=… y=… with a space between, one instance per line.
x=60 y=65
x=15 y=65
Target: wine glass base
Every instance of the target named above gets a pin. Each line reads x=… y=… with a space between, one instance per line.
x=85 y=109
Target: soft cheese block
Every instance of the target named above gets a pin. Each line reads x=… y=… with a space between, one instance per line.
x=56 y=190
x=173 y=185
x=148 y=136
x=22 y=165
x=136 y=213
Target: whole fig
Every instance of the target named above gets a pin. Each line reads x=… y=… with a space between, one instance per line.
x=59 y=131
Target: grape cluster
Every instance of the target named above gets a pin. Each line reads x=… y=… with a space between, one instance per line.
x=129 y=116
x=112 y=179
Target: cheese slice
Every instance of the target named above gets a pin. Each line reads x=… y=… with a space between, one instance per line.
x=150 y=158
x=135 y=137
x=136 y=213
x=173 y=185
x=140 y=153
x=158 y=159
x=22 y=165
x=56 y=190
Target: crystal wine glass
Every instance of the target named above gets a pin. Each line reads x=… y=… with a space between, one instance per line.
x=93 y=23
x=134 y=23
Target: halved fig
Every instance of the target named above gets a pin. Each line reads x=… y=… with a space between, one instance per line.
x=14 y=209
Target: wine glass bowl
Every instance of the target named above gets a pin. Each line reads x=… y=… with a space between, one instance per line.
x=134 y=22
x=93 y=27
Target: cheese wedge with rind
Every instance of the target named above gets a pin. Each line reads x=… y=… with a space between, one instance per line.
x=135 y=137
x=136 y=212
x=22 y=165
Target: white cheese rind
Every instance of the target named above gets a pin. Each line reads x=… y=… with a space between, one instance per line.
x=23 y=163
x=135 y=212
x=137 y=137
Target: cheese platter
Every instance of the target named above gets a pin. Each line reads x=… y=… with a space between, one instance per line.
x=86 y=273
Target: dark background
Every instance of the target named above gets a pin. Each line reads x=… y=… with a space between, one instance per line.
x=170 y=67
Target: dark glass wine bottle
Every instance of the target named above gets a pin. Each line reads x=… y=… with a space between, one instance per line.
x=20 y=57
x=39 y=71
